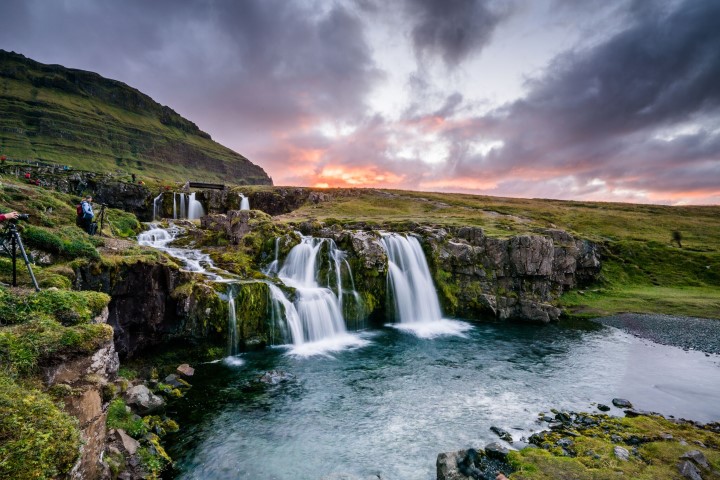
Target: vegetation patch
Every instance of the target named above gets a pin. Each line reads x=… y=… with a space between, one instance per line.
x=37 y=439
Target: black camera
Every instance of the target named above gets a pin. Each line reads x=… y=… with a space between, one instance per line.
x=21 y=216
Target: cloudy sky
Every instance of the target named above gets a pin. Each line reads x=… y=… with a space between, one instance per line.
x=574 y=99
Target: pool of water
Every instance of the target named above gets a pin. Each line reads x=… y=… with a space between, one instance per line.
x=391 y=406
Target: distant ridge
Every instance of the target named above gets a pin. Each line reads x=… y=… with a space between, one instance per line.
x=54 y=114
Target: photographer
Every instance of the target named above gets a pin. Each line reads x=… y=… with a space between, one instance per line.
x=8 y=216
x=87 y=215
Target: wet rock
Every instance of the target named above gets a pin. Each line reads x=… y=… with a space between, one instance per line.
x=496 y=451
x=143 y=399
x=621 y=454
x=565 y=442
x=621 y=403
x=186 y=370
x=175 y=381
x=688 y=470
x=274 y=377
x=504 y=435
x=603 y=408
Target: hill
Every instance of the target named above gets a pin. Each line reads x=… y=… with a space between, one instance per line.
x=73 y=117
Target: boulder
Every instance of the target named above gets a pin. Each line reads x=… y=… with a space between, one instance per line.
x=143 y=399
x=496 y=451
x=503 y=434
x=688 y=470
x=697 y=457
x=621 y=403
x=186 y=370
x=130 y=444
x=621 y=454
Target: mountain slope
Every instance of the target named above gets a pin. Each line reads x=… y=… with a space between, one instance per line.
x=73 y=117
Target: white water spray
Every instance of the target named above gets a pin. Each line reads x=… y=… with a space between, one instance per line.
x=315 y=319
x=195 y=208
x=244 y=202
x=157 y=202
x=414 y=295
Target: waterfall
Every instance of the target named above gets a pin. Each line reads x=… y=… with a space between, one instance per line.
x=195 y=208
x=409 y=281
x=193 y=259
x=315 y=318
x=244 y=202
x=179 y=202
x=157 y=202
x=232 y=325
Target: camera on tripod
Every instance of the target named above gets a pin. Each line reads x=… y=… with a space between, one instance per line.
x=21 y=216
x=10 y=241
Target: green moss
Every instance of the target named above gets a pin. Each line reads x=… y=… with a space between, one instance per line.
x=118 y=416
x=660 y=445
x=23 y=347
x=38 y=440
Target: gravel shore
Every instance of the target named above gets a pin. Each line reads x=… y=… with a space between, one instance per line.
x=701 y=334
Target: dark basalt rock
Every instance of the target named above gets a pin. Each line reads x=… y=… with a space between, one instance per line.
x=503 y=434
x=621 y=403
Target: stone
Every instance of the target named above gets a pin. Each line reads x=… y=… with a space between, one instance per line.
x=496 y=451
x=696 y=456
x=175 y=381
x=143 y=399
x=565 y=442
x=446 y=466
x=274 y=377
x=186 y=370
x=689 y=470
x=504 y=435
x=129 y=444
x=603 y=407
x=621 y=454
x=621 y=403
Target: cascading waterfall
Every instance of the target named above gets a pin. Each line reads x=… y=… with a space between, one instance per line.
x=232 y=325
x=195 y=208
x=179 y=205
x=410 y=284
x=156 y=206
x=315 y=319
x=193 y=260
x=244 y=202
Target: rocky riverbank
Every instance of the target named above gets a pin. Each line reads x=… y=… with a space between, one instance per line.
x=701 y=334
x=641 y=445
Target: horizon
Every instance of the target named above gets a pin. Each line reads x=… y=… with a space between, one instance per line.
x=552 y=99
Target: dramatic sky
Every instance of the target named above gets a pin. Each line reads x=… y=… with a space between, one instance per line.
x=574 y=99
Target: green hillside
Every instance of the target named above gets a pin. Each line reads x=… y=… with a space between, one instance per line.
x=72 y=117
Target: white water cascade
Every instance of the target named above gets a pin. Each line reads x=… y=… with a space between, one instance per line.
x=315 y=319
x=195 y=208
x=179 y=203
x=410 y=283
x=193 y=260
x=244 y=202
x=156 y=206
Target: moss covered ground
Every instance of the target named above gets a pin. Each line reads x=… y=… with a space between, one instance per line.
x=587 y=452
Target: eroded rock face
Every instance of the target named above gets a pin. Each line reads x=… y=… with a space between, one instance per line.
x=83 y=378
x=520 y=277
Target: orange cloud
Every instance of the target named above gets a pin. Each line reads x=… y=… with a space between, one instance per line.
x=459 y=183
x=341 y=176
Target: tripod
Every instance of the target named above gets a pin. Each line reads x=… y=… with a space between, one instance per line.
x=101 y=218
x=12 y=236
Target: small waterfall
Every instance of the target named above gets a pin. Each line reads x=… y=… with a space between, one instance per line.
x=157 y=202
x=272 y=269
x=193 y=260
x=179 y=203
x=415 y=299
x=315 y=319
x=232 y=325
x=244 y=202
x=195 y=208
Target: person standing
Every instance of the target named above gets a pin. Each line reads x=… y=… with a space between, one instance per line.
x=87 y=214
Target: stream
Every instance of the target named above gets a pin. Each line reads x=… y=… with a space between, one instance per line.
x=389 y=407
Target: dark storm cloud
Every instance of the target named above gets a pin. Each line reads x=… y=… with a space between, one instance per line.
x=600 y=112
x=257 y=64
x=451 y=29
